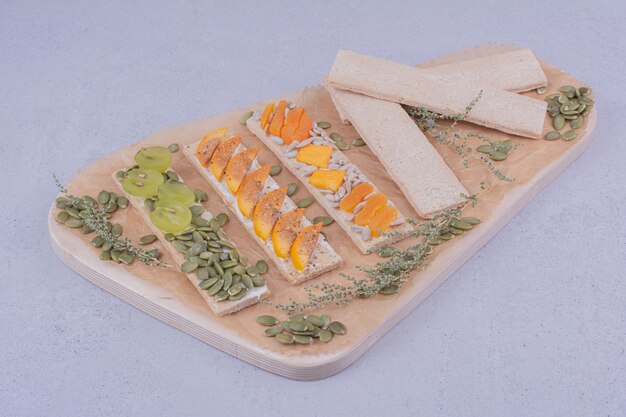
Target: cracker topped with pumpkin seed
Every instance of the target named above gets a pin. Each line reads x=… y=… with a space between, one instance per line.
x=290 y=240
x=191 y=234
x=316 y=158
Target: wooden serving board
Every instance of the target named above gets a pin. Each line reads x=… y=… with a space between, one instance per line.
x=167 y=295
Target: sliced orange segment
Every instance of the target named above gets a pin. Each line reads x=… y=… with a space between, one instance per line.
x=238 y=167
x=285 y=231
x=222 y=155
x=373 y=204
x=382 y=219
x=304 y=245
x=291 y=124
x=327 y=179
x=303 y=131
x=317 y=155
x=354 y=197
x=250 y=189
x=267 y=211
x=207 y=145
x=276 y=126
x=265 y=117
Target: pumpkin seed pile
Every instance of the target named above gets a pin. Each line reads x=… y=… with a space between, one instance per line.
x=302 y=329
x=456 y=227
x=74 y=213
x=570 y=105
x=340 y=142
x=215 y=261
x=497 y=151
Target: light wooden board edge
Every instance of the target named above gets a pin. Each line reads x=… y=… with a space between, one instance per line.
x=334 y=365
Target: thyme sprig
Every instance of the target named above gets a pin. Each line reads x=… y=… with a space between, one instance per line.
x=428 y=122
x=98 y=220
x=387 y=276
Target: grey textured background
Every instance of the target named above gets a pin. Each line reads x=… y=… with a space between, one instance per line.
x=533 y=325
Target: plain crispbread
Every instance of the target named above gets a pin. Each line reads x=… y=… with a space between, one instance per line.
x=498 y=109
x=415 y=165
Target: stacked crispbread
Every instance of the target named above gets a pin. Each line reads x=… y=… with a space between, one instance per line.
x=367 y=92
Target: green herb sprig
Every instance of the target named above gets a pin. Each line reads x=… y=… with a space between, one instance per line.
x=97 y=220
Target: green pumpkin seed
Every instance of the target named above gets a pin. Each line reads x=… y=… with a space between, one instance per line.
x=558 y=122
x=305 y=202
x=103 y=197
x=326 y=319
x=341 y=145
x=200 y=195
x=459 y=224
x=586 y=101
x=446 y=236
x=541 y=90
x=258 y=281
x=291 y=189
x=554 y=135
x=122 y=202
x=261 y=267
x=273 y=331
x=86 y=229
x=434 y=241
x=358 y=142
x=337 y=328
x=202 y=274
x=62 y=216
x=228 y=264
x=314 y=320
x=98 y=241
x=74 y=223
x=561 y=99
x=215 y=288
x=147 y=239
x=497 y=156
x=107 y=246
x=196 y=210
x=174 y=147
x=221 y=296
x=105 y=255
x=569 y=135
x=126 y=258
x=322 y=124
x=485 y=149
x=584 y=91
x=72 y=211
x=567 y=89
x=302 y=340
x=576 y=123
x=222 y=218
x=389 y=290
x=247 y=281
x=336 y=137
x=275 y=170
x=188 y=267
x=284 y=338
x=471 y=220
x=326 y=335
x=234 y=290
x=117 y=230
x=297 y=326
x=325 y=220
x=267 y=320
x=244 y=117
x=428 y=250
x=90 y=201
x=208 y=283
x=110 y=207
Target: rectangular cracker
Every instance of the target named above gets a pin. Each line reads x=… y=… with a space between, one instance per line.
x=413 y=163
x=219 y=308
x=516 y=71
x=342 y=218
x=379 y=78
x=324 y=257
